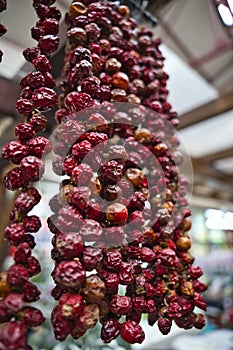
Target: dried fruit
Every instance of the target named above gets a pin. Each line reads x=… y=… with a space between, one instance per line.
x=24 y=107
x=132 y=332
x=32 y=168
x=199 y=322
x=121 y=305
x=70 y=305
x=22 y=253
x=134 y=175
x=31 y=316
x=14 y=151
x=76 y=101
x=31 y=223
x=39 y=146
x=126 y=273
x=110 y=173
x=44 y=98
x=80 y=150
x=61 y=326
x=94 y=290
x=27 y=200
x=111 y=280
x=30 y=292
x=110 y=330
x=14 y=302
x=195 y=272
x=183 y=243
x=69 y=245
x=82 y=174
x=17 y=275
x=69 y=274
x=49 y=43
x=91 y=257
x=25 y=152
x=38 y=122
x=5 y=287
x=120 y=81
x=112 y=66
x=33 y=266
x=164 y=325
x=90 y=230
x=77 y=8
x=117 y=214
x=112 y=259
x=14 y=233
x=14 y=180
x=13 y=336
x=24 y=131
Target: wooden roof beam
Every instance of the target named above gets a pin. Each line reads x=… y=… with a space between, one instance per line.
x=155 y=6
x=209 y=110
x=207 y=172
x=224 y=154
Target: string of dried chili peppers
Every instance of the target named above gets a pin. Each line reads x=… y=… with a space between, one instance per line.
x=37 y=96
x=3 y=29
x=98 y=248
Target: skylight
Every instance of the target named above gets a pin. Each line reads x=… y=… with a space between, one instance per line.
x=188 y=89
x=225 y=14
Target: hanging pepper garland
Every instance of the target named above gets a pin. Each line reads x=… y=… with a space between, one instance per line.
x=109 y=60
x=37 y=96
x=3 y=29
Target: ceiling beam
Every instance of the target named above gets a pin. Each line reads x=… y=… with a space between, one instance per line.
x=155 y=6
x=209 y=110
x=227 y=179
x=207 y=201
x=205 y=169
x=206 y=172
x=203 y=191
x=224 y=154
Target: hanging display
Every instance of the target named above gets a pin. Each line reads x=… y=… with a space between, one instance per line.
x=120 y=219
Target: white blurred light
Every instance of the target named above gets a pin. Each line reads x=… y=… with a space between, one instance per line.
x=213 y=213
x=230 y=3
x=225 y=14
x=219 y=220
x=225 y=165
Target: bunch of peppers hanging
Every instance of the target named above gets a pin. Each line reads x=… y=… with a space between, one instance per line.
x=121 y=243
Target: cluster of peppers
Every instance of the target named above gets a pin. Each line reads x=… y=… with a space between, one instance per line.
x=120 y=241
x=120 y=222
x=3 y=29
x=37 y=96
